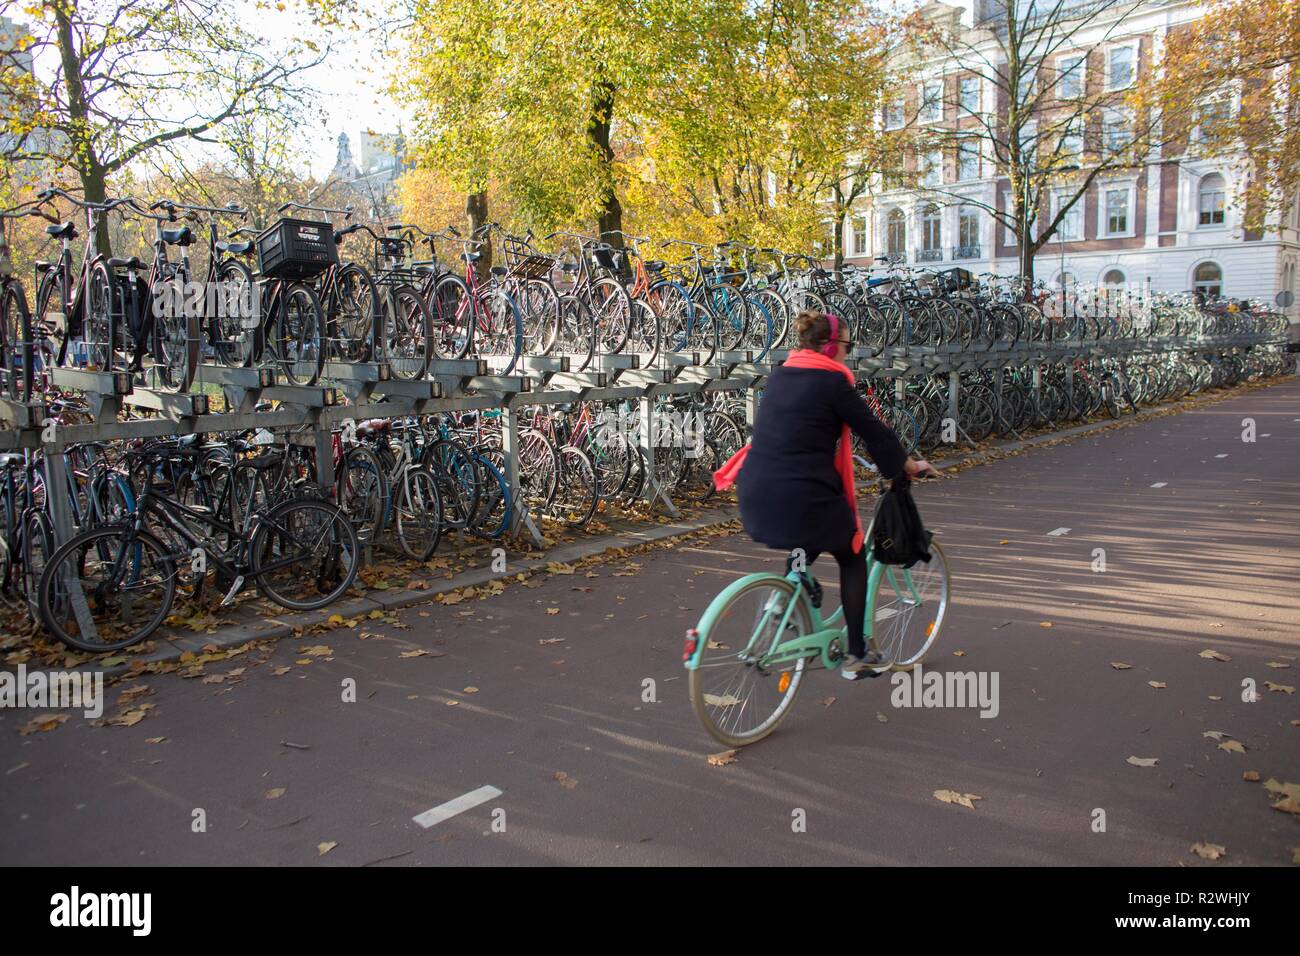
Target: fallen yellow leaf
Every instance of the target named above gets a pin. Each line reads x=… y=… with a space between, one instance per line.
x=952 y=796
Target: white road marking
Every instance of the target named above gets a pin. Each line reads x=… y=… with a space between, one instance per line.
x=466 y=801
x=1160 y=484
x=1220 y=456
x=1058 y=532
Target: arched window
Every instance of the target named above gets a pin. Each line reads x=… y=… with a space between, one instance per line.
x=1114 y=278
x=1210 y=200
x=1066 y=280
x=895 y=233
x=932 y=231
x=1208 y=279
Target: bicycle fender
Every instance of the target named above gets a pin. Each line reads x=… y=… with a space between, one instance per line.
x=700 y=633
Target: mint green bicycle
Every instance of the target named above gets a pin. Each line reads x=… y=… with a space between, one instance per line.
x=748 y=656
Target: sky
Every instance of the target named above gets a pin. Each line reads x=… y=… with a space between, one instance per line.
x=349 y=84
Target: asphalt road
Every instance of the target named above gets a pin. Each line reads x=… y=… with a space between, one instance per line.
x=590 y=773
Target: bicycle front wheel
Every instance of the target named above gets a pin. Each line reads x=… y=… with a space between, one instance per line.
x=909 y=606
x=738 y=698
x=107 y=588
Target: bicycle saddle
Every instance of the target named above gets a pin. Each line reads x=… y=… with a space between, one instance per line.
x=263 y=460
x=132 y=262
x=234 y=248
x=64 y=230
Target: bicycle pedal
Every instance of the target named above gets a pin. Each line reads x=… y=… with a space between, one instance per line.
x=234 y=589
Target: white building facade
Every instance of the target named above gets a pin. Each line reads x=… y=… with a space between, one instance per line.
x=1172 y=223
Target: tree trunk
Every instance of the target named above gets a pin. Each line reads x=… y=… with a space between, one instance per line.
x=839 y=239
x=94 y=184
x=609 y=220
x=476 y=210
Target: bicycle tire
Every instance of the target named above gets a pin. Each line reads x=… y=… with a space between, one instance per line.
x=702 y=689
x=55 y=604
x=328 y=550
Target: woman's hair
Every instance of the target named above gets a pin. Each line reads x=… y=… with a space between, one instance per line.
x=813 y=328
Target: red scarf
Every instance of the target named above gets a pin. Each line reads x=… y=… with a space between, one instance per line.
x=726 y=476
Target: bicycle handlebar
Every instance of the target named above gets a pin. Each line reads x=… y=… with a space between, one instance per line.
x=345 y=212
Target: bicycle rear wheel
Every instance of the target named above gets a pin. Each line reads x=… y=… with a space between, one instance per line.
x=739 y=700
x=304 y=554
x=909 y=607
x=16 y=340
x=419 y=514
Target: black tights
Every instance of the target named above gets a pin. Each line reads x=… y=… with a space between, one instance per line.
x=853 y=592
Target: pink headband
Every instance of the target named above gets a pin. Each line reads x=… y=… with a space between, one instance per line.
x=835 y=324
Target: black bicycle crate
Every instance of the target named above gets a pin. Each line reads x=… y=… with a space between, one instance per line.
x=957 y=279
x=296 y=249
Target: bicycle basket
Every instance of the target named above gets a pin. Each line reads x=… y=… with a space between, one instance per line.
x=955 y=279
x=296 y=249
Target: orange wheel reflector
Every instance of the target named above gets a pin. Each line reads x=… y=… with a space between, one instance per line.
x=929 y=629
x=784 y=683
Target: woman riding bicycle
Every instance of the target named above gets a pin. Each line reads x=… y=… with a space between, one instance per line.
x=797 y=488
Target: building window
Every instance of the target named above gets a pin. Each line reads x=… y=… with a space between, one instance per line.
x=895 y=233
x=1025 y=84
x=1121 y=66
x=931 y=232
x=1213 y=115
x=933 y=168
x=1116 y=201
x=1071 y=225
x=968 y=159
x=1069 y=82
x=860 y=236
x=1116 y=131
x=1208 y=279
x=932 y=101
x=1071 y=152
x=1114 y=279
x=968 y=94
x=1210 y=200
x=968 y=233
x=894 y=115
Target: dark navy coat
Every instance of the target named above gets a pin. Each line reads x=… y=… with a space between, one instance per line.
x=790 y=494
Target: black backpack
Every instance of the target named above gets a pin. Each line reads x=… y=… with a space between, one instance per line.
x=897 y=534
